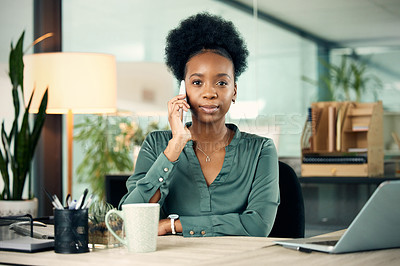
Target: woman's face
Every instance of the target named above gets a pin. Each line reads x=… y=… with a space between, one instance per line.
x=210 y=86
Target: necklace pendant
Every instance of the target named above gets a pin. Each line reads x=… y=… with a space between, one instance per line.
x=208 y=159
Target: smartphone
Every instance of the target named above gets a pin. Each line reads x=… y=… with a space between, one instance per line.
x=182 y=90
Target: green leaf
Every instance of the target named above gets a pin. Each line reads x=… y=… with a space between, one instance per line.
x=6 y=141
x=22 y=156
x=17 y=64
x=16 y=102
x=39 y=122
x=4 y=165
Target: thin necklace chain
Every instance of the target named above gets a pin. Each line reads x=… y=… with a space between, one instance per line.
x=208 y=157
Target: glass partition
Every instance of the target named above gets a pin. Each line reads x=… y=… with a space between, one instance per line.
x=271 y=96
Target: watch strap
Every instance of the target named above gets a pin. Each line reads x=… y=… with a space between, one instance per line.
x=173 y=226
x=173 y=217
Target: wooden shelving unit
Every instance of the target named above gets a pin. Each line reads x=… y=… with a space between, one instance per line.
x=346 y=129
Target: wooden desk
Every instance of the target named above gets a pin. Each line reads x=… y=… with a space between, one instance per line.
x=176 y=250
x=345 y=180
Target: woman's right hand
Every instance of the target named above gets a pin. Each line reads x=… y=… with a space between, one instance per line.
x=180 y=133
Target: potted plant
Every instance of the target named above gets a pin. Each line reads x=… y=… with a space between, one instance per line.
x=98 y=231
x=348 y=80
x=96 y=133
x=109 y=143
x=19 y=144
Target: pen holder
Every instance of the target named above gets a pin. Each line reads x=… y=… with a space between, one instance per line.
x=71 y=231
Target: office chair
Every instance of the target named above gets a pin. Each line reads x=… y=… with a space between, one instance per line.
x=115 y=188
x=289 y=221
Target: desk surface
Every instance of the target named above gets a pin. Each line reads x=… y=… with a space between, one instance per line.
x=176 y=250
x=345 y=180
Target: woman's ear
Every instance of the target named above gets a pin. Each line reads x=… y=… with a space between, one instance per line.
x=234 y=93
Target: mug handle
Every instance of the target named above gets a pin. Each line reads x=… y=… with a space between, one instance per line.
x=119 y=213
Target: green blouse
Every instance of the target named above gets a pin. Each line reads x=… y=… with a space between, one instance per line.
x=242 y=200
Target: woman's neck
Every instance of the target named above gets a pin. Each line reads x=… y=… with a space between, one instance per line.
x=209 y=132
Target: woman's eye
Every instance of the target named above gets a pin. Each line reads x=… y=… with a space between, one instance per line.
x=196 y=82
x=222 y=83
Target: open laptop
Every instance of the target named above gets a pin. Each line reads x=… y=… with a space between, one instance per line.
x=377 y=226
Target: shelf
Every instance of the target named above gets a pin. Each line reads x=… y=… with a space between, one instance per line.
x=340 y=126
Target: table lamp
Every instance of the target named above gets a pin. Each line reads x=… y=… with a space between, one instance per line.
x=79 y=83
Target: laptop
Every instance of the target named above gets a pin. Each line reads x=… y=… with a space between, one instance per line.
x=377 y=226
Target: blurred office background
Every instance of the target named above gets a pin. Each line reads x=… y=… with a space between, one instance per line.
x=285 y=38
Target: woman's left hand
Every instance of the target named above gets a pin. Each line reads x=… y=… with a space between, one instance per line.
x=164 y=227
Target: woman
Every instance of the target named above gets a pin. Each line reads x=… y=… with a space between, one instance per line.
x=209 y=178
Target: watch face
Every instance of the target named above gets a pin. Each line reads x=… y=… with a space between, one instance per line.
x=173 y=216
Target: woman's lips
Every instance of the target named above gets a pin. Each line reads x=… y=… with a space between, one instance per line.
x=209 y=109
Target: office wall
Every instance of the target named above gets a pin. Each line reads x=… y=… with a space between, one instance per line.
x=15 y=17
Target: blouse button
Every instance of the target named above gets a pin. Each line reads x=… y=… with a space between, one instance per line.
x=166 y=169
x=203 y=232
x=191 y=232
x=161 y=179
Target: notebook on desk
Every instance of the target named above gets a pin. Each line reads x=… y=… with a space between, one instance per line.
x=26 y=244
x=377 y=226
x=43 y=237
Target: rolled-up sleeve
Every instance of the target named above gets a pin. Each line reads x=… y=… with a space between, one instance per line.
x=152 y=172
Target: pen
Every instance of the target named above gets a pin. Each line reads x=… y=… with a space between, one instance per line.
x=50 y=198
x=88 y=202
x=57 y=201
x=68 y=201
x=81 y=200
x=72 y=205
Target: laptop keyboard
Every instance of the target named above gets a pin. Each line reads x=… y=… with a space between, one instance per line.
x=325 y=243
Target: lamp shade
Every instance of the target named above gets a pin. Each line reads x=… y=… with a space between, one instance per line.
x=77 y=82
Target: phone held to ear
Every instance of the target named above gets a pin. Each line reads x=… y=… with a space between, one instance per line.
x=182 y=90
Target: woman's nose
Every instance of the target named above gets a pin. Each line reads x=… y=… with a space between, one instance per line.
x=209 y=91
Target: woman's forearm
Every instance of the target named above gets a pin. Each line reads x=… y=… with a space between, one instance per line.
x=156 y=197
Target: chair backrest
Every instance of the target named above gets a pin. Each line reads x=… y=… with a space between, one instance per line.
x=289 y=221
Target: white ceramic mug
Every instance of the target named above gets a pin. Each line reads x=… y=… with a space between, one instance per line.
x=141 y=226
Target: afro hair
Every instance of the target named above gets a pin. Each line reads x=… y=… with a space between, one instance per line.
x=204 y=32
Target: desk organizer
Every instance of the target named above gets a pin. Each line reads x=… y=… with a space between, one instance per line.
x=346 y=140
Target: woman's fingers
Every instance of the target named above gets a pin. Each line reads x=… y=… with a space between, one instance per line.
x=177 y=103
x=180 y=101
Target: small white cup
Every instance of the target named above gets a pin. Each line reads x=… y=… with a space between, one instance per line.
x=141 y=226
